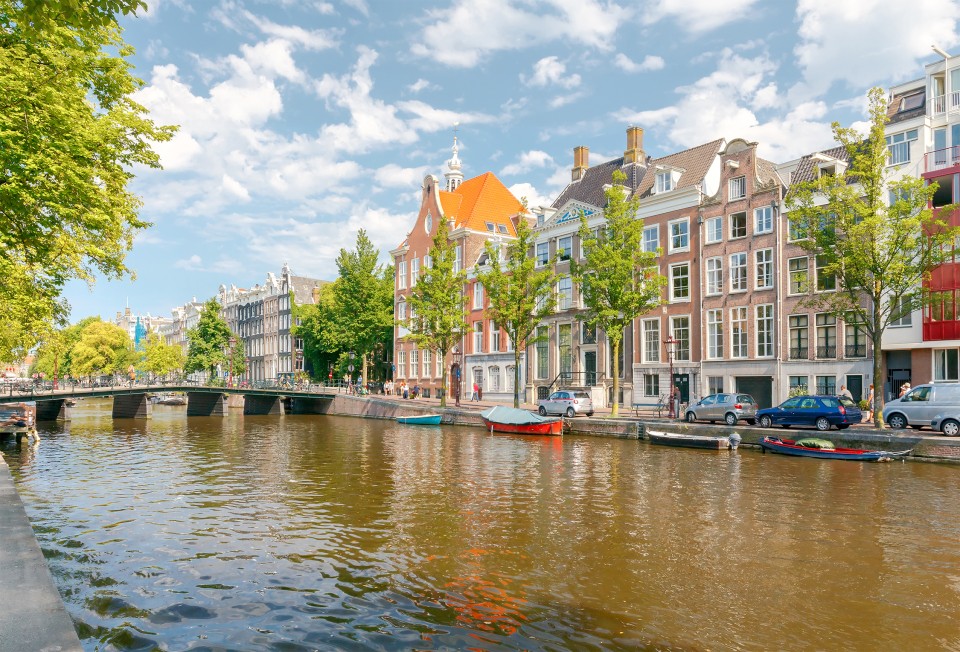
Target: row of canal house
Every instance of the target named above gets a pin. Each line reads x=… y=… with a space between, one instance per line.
x=734 y=302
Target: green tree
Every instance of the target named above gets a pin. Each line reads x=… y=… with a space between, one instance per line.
x=362 y=301
x=322 y=336
x=70 y=135
x=520 y=294
x=160 y=358
x=102 y=348
x=618 y=280
x=54 y=355
x=878 y=254
x=210 y=343
x=437 y=320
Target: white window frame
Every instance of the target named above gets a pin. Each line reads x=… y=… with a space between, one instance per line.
x=942 y=364
x=733 y=223
x=680 y=232
x=737 y=188
x=681 y=354
x=415 y=363
x=764 y=317
x=478 y=337
x=401 y=364
x=414 y=271
x=542 y=253
x=457 y=259
x=664 y=182
x=402 y=275
x=714 y=228
x=898 y=146
x=426 y=360
x=564 y=253
x=478 y=295
x=805 y=271
x=494 y=337
x=763 y=220
x=763 y=268
x=739 y=273
x=817 y=268
x=714 y=275
x=650 y=245
x=651 y=340
x=673 y=286
x=715 y=334
x=564 y=293
x=739 y=348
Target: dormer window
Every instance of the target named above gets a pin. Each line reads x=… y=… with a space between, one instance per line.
x=502 y=228
x=737 y=188
x=664 y=181
x=490 y=227
x=831 y=168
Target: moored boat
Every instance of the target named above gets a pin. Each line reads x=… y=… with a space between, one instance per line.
x=521 y=422
x=825 y=449
x=693 y=441
x=421 y=419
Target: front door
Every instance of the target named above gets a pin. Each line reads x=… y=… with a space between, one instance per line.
x=682 y=383
x=590 y=368
x=855 y=385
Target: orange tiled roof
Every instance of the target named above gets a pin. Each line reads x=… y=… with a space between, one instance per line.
x=480 y=200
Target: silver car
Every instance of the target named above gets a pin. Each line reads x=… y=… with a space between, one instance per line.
x=729 y=408
x=567 y=402
x=919 y=406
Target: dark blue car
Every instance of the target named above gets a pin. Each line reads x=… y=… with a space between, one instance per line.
x=821 y=412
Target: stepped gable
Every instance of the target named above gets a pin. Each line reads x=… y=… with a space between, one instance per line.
x=480 y=200
x=694 y=162
x=589 y=189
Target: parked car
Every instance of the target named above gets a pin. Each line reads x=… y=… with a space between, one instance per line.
x=948 y=424
x=729 y=408
x=821 y=412
x=920 y=405
x=566 y=402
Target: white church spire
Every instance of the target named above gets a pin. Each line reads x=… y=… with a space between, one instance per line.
x=454 y=175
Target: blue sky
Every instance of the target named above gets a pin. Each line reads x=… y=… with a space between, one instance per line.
x=302 y=121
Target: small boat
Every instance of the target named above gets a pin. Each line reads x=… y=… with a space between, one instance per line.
x=421 y=419
x=172 y=399
x=521 y=422
x=825 y=449
x=693 y=441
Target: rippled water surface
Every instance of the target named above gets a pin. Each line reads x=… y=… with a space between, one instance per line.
x=306 y=533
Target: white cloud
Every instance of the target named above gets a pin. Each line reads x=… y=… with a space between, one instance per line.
x=419 y=85
x=869 y=41
x=650 y=62
x=528 y=161
x=551 y=71
x=567 y=98
x=481 y=27
x=528 y=192
x=696 y=16
x=233 y=187
x=395 y=176
x=193 y=263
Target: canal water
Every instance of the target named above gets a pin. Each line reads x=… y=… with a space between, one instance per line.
x=327 y=533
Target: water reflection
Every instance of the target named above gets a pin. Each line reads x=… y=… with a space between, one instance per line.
x=266 y=533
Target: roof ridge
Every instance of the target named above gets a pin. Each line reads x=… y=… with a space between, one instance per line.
x=709 y=143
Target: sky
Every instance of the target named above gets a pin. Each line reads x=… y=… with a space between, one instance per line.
x=303 y=121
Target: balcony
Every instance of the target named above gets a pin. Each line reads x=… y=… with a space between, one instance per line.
x=940 y=104
x=855 y=351
x=942 y=159
x=826 y=352
x=799 y=353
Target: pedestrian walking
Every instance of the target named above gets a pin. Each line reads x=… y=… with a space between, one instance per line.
x=406 y=391
x=476 y=392
x=870 y=404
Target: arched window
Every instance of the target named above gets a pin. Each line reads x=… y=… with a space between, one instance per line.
x=494 y=379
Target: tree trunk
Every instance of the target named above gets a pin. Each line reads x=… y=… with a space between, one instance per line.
x=877 y=371
x=615 y=407
x=443 y=377
x=516 y=375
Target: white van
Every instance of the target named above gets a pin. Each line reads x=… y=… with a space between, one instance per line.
x=919 y=406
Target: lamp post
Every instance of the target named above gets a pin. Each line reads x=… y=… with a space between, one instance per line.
x=233 y=344
x=456 y=373
x=670 y=343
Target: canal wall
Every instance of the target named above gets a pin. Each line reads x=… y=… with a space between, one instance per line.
x=32 y=615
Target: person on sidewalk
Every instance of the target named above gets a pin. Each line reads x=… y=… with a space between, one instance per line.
x=845 y=392
x=870 y=404
x=476 y=391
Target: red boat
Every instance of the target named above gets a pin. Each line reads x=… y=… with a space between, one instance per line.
x=520 y=422
x=825 y=449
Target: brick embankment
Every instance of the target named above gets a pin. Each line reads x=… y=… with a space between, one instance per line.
x=32 y=615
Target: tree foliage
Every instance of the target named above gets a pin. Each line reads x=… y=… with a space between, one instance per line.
x=210 y=343
x=520 y=294
x=160 y=358
x=437 y=320
x=70 y=135
x=618 y=280
x=102 y=348
x=880 y=252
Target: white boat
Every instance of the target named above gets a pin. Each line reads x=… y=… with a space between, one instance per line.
x=693 y=441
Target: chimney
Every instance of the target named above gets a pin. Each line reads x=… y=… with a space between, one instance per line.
x=581 y=161
x=634 y=151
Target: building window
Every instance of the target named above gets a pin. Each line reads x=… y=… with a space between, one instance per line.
x=826 y=336
x=714 y=384
x=825 y=282
x=826 y=385
x=588 y=334
x=478 y=337
x=763 y=220
x=898 y=147
x=565 y=247
x=414 y=363
x=414 y=271
x=401 y=364
x=680 y=235
x=426 y=363
x=402 y=274
x=494 y=336
x=564 y=341
x=714 y=275
x=738 y=272
x=855 y=337
x=477 y=296
x=493 y=374
x=737 y=188
x=714 y=229
x=651 y=340
x=738 y=225
x=900 y=314
x=798 y=384
x=438 y=360
x=765 y=331
x=680 y=282
x=542 y=361
x=764 y=259
x=651 y=238
x=738 y=332
x=510 y=371
x=427 y=261
x=796 y=229
x=664 y=181
x=715 y=334
x=564 y=293
x=543 y=253
x=946 y=364
x=457 y=259
x=651 y=385
x=797 y=269
x=799 y=337
x=402 y=311
x=681 y=333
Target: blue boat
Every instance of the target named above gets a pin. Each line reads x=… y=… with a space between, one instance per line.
x=826 y=450
x=421 y=419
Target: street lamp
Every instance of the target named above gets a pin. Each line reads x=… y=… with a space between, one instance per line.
x=671 y=343
x=456 y=373
x=233 y=344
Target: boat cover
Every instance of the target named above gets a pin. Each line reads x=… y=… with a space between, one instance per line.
x=513 y=416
